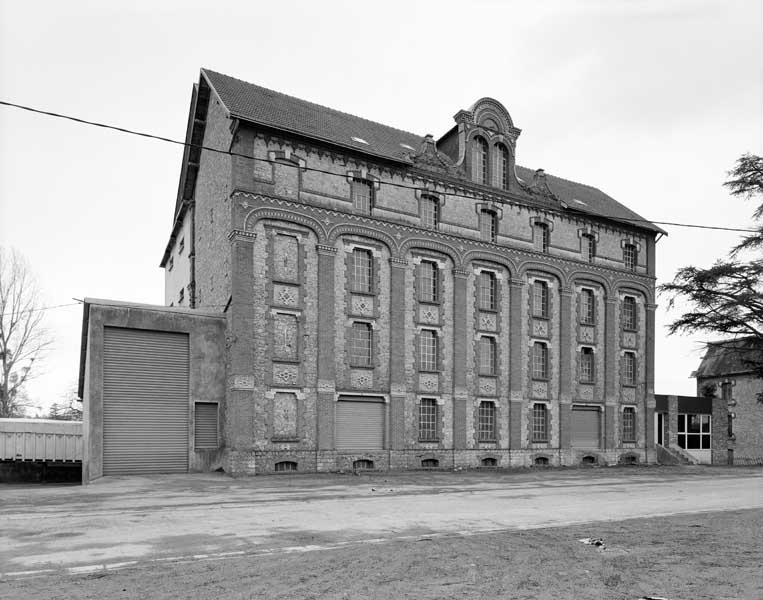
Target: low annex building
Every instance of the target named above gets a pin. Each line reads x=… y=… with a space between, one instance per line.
x=390 y=300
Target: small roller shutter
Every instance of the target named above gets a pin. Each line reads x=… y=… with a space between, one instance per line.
x=145 y=402
x=359 y=424
x=205 y=425
x=585 y=427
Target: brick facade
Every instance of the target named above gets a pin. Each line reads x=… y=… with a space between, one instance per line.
x=274 y=242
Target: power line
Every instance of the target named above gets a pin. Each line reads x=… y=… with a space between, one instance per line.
x=40 y=308
x=323 y=171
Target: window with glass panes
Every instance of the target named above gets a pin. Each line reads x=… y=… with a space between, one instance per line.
x=487 y=355
x=428 y=420
x=362 y=270
x=486 y=422
x=487 y=225
x=428 y=281
x=629 y=424
x=694 y=431
x=630 y=256
x=542 y=237
x=587 y=307
x=589 y=247
x=629 y=368
x=360 y=344
x=629 y=312
x=430 y=212
x=428 y=350
x=540 y=423
x=503 y=166
x=586 y=365
x=480 y=161
x=487 y=295
x=540 y=299
x=540 y=360
x=362 y=195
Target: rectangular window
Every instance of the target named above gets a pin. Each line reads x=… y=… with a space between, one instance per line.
x=430 y=212
x=428 y=281
x=362 y=195
x=589 y=247
x=360 y=344
x=181 y=245
x=488 y=225
x=629 y=368
x=629 y=424
x=629 y=313
x=694 y=431
x=487 y=356
x=428 y=350
x=587 y=307
x=205 y=426
x=540 y=299
x=540 y=423
x=542 y=237
x=487 y=290
x=171 y=264
x=486 y=422
x=428 y=420
x=362 y=270
x=540 y=360
x=630 y=256
x=586 y=365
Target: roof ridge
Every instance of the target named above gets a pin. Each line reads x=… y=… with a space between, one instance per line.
x=321 y=106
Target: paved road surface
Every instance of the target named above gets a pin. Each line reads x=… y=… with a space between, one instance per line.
x=117 y=522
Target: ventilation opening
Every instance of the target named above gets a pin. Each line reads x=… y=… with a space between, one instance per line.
x=589 y=460
x=430 y=463
x=540 y=461
x=285 y=465
x=629 y=459
x=490 y=462
x=362 y=465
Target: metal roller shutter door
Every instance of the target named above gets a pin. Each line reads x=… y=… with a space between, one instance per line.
x=359 y=425
x=585 y=427
x=145 y=402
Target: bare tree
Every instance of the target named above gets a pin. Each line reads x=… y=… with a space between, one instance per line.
x=23 y=338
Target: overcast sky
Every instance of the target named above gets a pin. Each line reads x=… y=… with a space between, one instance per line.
x=650 y=101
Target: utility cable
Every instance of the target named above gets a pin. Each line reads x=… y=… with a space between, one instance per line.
x=323 y=171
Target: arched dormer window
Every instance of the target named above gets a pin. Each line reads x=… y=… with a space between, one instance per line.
x=502 y=167
x=480 y=158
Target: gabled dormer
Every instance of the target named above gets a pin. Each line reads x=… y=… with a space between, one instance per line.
x=483 y=144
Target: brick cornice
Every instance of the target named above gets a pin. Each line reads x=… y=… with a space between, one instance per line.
x=239 y=235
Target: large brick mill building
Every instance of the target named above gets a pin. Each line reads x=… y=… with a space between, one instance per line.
x=379 y=299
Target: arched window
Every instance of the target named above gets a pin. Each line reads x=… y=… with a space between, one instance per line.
x=502 y=167
x=487 y=291
x=540 y=299
x=480 y=157
x=587 y=307
x=430 y=212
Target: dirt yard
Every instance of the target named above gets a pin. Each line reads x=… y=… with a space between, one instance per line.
x=422 y=536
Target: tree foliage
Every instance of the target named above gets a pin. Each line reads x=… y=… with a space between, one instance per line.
x=727 y=298
x=23 y=338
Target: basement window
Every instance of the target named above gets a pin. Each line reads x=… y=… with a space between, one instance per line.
x=285 y=466
x=489 y=462
x=430 y=463
x=363 y=465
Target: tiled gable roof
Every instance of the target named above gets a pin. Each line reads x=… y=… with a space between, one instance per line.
x=733 y=356
x=262 y=106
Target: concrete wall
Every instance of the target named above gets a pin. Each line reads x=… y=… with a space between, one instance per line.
x=206 y=333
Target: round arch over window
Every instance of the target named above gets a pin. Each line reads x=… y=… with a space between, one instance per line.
x=480 y=161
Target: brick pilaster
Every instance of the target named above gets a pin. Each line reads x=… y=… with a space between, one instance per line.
x=398 y=390
x=517 y=354
x=326 y=350
x=460 y=332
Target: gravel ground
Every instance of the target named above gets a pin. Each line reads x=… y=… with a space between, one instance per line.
x=710 y=555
